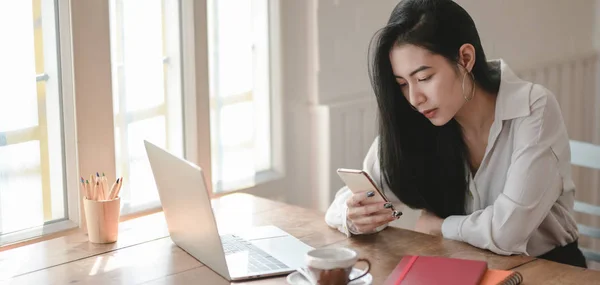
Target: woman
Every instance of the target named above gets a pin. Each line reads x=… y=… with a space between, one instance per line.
x=484 y=154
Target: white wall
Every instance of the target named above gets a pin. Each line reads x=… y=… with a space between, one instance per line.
x=325 y=72
x=298 y=33
x=524 y=33
x=597 y=26
x=324 y=53
x=345 y=28
x=533 y=32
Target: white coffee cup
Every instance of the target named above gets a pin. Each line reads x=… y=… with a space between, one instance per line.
x=333 y=265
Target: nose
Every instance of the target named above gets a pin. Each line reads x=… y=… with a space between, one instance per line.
x=416 y=97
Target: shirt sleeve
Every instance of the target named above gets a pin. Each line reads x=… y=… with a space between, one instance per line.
x=335 y=216
x=533 y=185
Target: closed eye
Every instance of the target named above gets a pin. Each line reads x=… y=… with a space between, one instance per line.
x=425 y=79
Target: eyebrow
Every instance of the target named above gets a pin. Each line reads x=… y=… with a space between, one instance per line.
x=421 y=68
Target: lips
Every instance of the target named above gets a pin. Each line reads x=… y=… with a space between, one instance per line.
x=430 y=113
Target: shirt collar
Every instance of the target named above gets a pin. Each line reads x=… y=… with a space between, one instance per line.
x=513 y=96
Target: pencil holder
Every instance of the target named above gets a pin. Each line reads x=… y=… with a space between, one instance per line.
x=102 y=218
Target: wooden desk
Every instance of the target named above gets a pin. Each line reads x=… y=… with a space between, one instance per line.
x=145 y=254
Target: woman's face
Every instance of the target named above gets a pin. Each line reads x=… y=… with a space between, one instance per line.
x=429 y=82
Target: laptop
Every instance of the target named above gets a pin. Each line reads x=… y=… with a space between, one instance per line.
x=258 y=252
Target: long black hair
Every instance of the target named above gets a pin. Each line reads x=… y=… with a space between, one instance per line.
x=425 y=166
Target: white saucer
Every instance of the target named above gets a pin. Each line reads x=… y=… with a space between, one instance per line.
x=295 y=278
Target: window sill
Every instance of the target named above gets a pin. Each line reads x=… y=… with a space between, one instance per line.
x=73 y=245
x=59 y=230
x=67 y=227
x=261 y=178
x=36 y=234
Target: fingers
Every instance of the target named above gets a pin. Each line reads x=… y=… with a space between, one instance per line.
x=366 y=214
x=384 y=211
x=359 y=198
x=374 y=220
x=370 y=223
x=366 y=210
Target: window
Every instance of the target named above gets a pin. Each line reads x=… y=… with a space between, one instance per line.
x=142 y=95
x=32 y=158
x=147 y=95
x=240 y=92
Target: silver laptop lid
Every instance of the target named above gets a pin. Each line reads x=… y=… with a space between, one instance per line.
x=187 y=208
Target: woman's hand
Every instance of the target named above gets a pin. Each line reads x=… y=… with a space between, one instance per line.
x=365 y=216
x=429 y=223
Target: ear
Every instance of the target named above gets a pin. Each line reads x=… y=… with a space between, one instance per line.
x=466 y=56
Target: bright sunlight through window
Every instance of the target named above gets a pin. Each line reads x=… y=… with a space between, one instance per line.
x=31 y=154
x=147 y=96
x=239 y=92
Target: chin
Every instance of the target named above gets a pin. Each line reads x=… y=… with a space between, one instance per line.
x=439 y=121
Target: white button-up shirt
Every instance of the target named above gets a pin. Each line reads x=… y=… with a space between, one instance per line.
x=522 y=195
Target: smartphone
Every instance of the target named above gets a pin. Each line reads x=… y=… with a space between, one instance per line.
x=359 y=181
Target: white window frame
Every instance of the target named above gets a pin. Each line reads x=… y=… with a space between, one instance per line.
x=172 y=44
x=266 y=182
x=93 y=82
x=195 y=89
x=63 y=50
x=86 y=96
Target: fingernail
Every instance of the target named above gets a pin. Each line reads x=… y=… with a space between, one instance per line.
x=370 y=194
x=387 y=205
x=397 y=214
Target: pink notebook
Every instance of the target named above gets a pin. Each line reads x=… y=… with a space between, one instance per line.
x=424 y=270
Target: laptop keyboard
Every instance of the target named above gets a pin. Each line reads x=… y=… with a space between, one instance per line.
x=258 y=259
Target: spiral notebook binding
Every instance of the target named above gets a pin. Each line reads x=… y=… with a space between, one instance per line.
x=514 y=279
